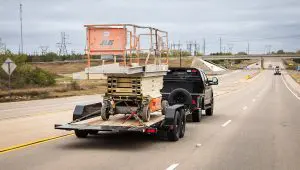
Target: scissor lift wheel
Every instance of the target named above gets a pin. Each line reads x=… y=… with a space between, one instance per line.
x=146 y=113
x=105 y=110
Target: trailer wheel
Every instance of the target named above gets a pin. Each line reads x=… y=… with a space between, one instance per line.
x=183 y=122
x=81 y=133
x=164 y=105
x=173 y=134
x=146 y=114
x=105 y=110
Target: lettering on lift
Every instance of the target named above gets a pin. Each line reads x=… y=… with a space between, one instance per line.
x=107 y=42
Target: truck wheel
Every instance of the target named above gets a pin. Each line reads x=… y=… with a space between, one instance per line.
x=81 y=133
x=183 y=121
x=197 y=115
x=173 y=135
x=105 y=110
x=146 y=114
x=164 y=105
x=210 y=111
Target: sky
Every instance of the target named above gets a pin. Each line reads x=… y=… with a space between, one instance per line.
x=262 y=23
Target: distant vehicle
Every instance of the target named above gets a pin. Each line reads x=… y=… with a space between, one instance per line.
x=277 y=71
x=190 y=86
x=256 y=64
x=270 y=66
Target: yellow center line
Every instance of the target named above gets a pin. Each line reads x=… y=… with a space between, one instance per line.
x=12 y=148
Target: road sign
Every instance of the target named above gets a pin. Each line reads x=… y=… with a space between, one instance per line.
x=9 y=66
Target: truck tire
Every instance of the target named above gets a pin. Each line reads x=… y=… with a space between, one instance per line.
x=146 y=114
x=197 y=115
x=183 y=122
x=164 y=105
x=81 y=133
x=105 y=110
x=210 y=111
x=173 y=134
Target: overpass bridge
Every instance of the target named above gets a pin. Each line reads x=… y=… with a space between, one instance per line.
x=252 y=56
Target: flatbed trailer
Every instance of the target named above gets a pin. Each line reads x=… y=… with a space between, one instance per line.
x=87 y=120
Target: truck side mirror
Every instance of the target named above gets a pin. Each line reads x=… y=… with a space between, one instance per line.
x=213 y=81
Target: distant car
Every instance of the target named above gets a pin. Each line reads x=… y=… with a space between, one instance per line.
x=277 y=71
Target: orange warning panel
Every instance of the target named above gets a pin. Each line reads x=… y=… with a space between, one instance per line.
x=106 y=41
x=155 y=104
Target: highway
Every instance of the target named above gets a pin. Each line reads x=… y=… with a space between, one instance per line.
x=256 y=125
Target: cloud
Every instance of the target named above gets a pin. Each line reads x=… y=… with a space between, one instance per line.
x=233 y=20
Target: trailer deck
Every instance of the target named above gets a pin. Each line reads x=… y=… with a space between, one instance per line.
x=116 y=123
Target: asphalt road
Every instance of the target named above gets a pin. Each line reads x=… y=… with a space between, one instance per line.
x=256 y=125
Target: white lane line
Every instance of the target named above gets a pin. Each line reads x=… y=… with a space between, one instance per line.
x=198 y=145
x=172 y=167
x=289 y=88
x=245 y=108
x=226 y=123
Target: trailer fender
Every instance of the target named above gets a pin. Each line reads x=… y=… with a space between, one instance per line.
x=170 y=113
x=85 y=109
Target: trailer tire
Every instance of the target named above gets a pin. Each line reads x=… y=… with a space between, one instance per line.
x=173 y=134
x=81 y=133
x=146 y=114
x=105 y=110
x=164 y=105
x=183 y=122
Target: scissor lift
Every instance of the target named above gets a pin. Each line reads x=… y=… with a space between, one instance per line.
x=135 y=78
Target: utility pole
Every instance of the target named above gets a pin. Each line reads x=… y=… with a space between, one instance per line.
x=62 y=45
x=21 y=22
x=195 y=48
x=189 y=46
x=230 y=47
x=268 y=49
x=220 y=45
x=204 y=46
x=248 y=48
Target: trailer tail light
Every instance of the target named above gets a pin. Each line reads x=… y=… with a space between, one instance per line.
x=194 y=71
x=151 y=130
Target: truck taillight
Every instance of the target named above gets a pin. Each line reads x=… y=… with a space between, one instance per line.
x=151 y=130
x=194 y=101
